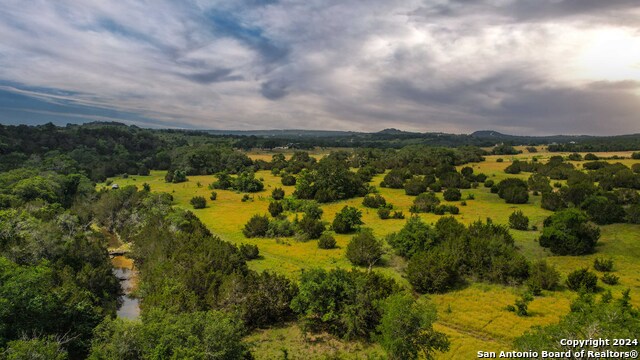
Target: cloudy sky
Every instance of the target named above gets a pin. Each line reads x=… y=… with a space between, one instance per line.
x=516 y=66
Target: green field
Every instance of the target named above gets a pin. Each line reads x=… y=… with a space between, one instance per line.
x=473 y=316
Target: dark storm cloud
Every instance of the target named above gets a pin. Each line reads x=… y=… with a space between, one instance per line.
x=273 y=90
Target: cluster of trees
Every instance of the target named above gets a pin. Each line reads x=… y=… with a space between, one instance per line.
x=440 y=256
x=56 y=280
x=244 y=182
x=308 y=227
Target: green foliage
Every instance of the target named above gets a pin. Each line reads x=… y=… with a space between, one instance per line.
x=277 y=194
x=280 y=228
x=633 y=214
x=489 y=184
x=518 y=221
x=610 y=279
x=343 y=303
x=425 y=202
x=249 y=252
x=326 y=241
x=567 y=232
x=330 y=180
x=196 y=335
x=552 y=201
x=374 y=201
x=606 y=319
x=38 y=348
x=582 y=280
x=288 y=180
x=539 y=182
x=198 y=202
x=275 y=208
x=432 y=271
x=513 y=191
x=176 y=176
x=310 y=227
x=452 y=194
x=603 y=264
x=347 y=220
x=602 y=210
x=504 y=149
x=364 y=249
x=521 y=307
x=257 y=226
x=384 y=213
x=415 y=186
x=213 y=196
x=414 y=237
x=406 y=329
x=542 y=276
x=591 y=157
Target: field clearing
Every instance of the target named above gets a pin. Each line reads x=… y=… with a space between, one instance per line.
x=473 y=315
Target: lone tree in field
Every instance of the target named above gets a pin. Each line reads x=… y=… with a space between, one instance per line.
x=518 y=221
x=198 y=202
x=364 y=249
x=513 y=191
x=347 y=220
x=568 y=232
x=406 y=329
x=275 y=208
x=257 y=226
x=452 y=194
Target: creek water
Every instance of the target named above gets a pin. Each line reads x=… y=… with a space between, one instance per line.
x=125 y=271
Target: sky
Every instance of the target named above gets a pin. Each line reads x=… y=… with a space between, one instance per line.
x=523 y=67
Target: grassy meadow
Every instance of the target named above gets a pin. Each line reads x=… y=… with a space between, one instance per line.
x=473 y=316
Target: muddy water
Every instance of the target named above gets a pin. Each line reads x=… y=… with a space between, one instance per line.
x=123 y=269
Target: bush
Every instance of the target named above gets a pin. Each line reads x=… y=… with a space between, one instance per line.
x=602 y=210
x=610 y=279
x=311 y=227
x=364 y=249
x=633 y=214
x=288 y=180
x=567 y=232
x=280 y=228
x=374 y=201
x=635 y=156
x=257 y=226
x=513 y=191
x=397 y=215
x=213 y=196
x=591 y=157
x=603 y=265
x=275 y=208
x=499 y=160
x=246 y=198
x=518 y=221
x=435 y=187
x=489 y=183
x=415 y=186
x=384 y=213
x=277 y=194
x=249 y=252
x=452 y=194
x=542 y=276
x=326 y=241
x=415 y=236
x=552 y=201
x=582 y=280
x=198 y=202
x=425 y=202
x=521 y=307
x=575 y=157
x=347 y=220
x=432 y=272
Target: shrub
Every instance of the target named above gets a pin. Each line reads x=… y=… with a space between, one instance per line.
x=575 y=157
x=176 y=176
x=635 y=156
x=452 y=194
x=311 y=227
x=582 y=280
x=603 y=265
x=567 y=232
x=198 y=202
x=249 y=252
x=288 y=180
x=347 y=220
x=213 y=196
x=257 y=226
x=542 y=276
x=146 y=187
x=246 y=198
x=435 y=187
x=364 y=249
x=610 y=279
x=415 y=236
x=425 y=202
x=384 y=213
x=489 y=183
x=521 y=307
x=280 y=228
x=513 y=191
x=591 y=157
x=277 y=194
x=602 y=210
x=499 y=160
x=552 y=201
x=415 y=186
x=518 y=221
x=398 y=215
x=636 y=168
x=633 y=214
x=374 y=201
x=432 y=272
x=275 y=208
x=326 y=241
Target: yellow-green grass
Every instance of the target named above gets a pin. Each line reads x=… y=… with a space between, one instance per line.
x=473 y=316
